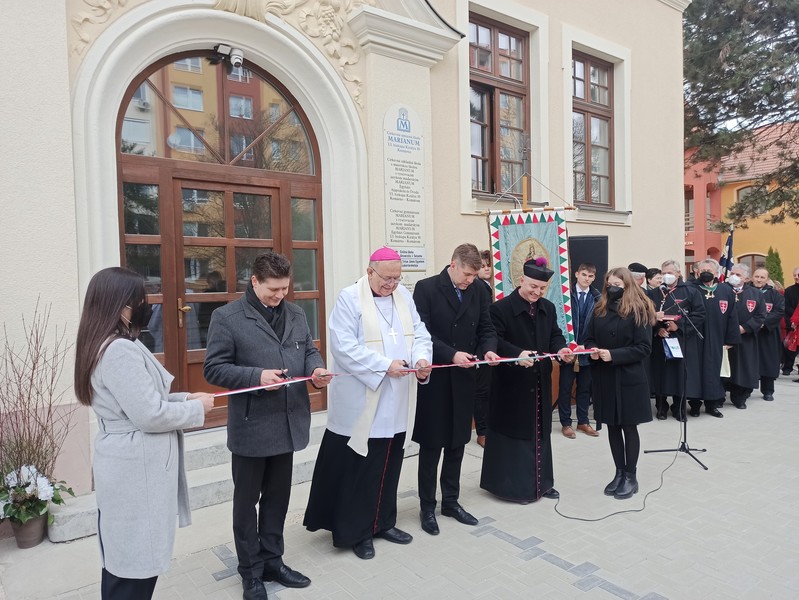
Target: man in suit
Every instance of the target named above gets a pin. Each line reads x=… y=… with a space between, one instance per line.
x=583 y=298
x=261 y=339
x=455 y=313
x=791 y=302
x=483 y=375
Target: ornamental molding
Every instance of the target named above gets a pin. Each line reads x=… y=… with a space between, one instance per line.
x=323 y=21
x=95 y=12
x=679 y=5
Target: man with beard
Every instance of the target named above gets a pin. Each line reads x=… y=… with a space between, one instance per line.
x=720 y=329
x=681 y=316
x=745 y=357
x=517 y=463
x=768 y=338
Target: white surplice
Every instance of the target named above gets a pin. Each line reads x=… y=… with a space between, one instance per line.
x=347 y=395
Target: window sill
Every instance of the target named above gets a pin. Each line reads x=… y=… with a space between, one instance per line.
x=482 y=202
x=601 y=216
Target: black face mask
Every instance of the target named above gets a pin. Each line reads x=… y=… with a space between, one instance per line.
x=140 y=316
x=614 y=292
x=706 y=277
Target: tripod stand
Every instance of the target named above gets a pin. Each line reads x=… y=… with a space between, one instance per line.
x=684 y=447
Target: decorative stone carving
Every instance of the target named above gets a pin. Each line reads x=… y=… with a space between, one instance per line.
x=323 y=20
x=98 y=13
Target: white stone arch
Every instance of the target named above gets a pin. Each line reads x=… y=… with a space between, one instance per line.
x=160 y=28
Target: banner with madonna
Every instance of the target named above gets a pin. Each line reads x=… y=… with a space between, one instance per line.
x=518 y=236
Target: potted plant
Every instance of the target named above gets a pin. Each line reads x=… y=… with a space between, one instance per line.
x=34 y=422
x=24 y=498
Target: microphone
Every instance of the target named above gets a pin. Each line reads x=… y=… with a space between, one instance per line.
x=664 y=288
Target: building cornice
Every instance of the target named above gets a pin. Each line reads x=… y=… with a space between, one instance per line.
x=679 y=5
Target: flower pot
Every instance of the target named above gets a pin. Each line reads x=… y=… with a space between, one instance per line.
x=31 y=533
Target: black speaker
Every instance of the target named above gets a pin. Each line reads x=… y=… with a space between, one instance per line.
x=589 y=249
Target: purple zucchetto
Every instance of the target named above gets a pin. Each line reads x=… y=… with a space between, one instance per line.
x=536 y=268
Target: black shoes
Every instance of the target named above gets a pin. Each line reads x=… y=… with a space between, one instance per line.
x=740 y=405
x=395 y=536
x=768 y=397
x=662 y=415
x=457 y=513
x=552 y=494
x=627 y=488
x=694 y=412
x=253 y=589
x=287 y=577
x=714 y=412
x=429 y=523
x=610 y=489
x=365 y=549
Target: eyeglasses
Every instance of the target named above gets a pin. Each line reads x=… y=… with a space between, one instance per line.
x=388 y=280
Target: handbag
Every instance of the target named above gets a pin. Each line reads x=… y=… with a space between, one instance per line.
x=790 y=341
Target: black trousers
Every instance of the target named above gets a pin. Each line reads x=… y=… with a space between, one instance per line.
x=450 y=476
x=265 y=483
x=767 y=385
x=121 y=588
x=481 y=393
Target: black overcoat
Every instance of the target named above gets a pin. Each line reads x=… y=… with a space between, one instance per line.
x=745 y=357
x=720 y=329
x=620 y=388
x=512 y=409
x=768 y=338
x=445 y=405
x=675 y=377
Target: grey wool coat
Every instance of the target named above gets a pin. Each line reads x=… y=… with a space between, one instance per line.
x=241 y=344
x=139 y=475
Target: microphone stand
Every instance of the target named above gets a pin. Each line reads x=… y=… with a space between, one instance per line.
x=684 y=447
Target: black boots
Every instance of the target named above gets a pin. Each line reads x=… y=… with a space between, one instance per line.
x=610 y=489
x=662 y=407
x=628 y=487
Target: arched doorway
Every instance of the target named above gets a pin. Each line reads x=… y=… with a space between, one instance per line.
x=215 y=165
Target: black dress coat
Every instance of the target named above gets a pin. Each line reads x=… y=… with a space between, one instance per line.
x=620 y=388
x=768 y=338
x=675 y=377
x=512 y=409
x=445 y=405
x=720 y=329
x=745 y=357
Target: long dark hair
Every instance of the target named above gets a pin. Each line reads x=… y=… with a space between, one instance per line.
x=109 y=292
x=633 y=300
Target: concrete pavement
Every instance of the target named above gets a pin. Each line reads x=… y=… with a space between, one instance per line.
x=729 y=532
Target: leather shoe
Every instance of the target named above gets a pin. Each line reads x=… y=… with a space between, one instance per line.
x=588 y=430
x=429 y=523
x=784 y=372
x=552 y=494
x=714 y=412
x=568 y=432
x=365 y=549
x=481 y=441
x=694 y=412
x=253 y=590
x=740 y=405
x=287 y=577
x=395 y=536
x=768 y=397
x=457 y=513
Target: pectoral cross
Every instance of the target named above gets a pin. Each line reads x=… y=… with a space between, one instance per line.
x=709 y=295
x=393 y=335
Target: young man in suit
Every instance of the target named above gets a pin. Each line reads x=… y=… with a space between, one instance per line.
x=583 y=297
x=456 y=314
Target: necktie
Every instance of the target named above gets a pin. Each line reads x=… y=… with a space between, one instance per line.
x=460 y=294
x=582 y=301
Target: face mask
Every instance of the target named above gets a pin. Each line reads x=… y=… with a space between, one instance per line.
x=669 y=279
x=706 y=277
x=614 y=292
x=140 y=316
x=734 y=280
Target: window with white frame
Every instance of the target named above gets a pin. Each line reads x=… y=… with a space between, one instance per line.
x=592 y=130
x=186 y=97
x=238 y=142
x=240 y=107
x=240 y=74
x=499 y=107
x=192 y=65
x=184 y=140
x=137 y=131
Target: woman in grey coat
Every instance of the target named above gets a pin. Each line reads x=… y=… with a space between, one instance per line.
x=139 y=478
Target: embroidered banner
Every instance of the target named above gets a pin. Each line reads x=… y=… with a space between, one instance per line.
x=518 y=236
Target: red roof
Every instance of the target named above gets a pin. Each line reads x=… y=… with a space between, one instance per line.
x=764 y=156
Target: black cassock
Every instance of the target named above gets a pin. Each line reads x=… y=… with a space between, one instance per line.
x=768 y=338
x=668 y=377
x=745 y=357
x=720 y=329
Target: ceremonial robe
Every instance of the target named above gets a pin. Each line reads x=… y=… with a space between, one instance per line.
x=678 y=377
x=517 y=463
x=745 y=357
x=768 y=338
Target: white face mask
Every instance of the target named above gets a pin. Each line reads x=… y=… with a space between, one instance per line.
x=734 y=280
x=669 y=279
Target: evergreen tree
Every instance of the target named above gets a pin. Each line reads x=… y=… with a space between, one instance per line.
x=774 y=265
x=741 y=69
